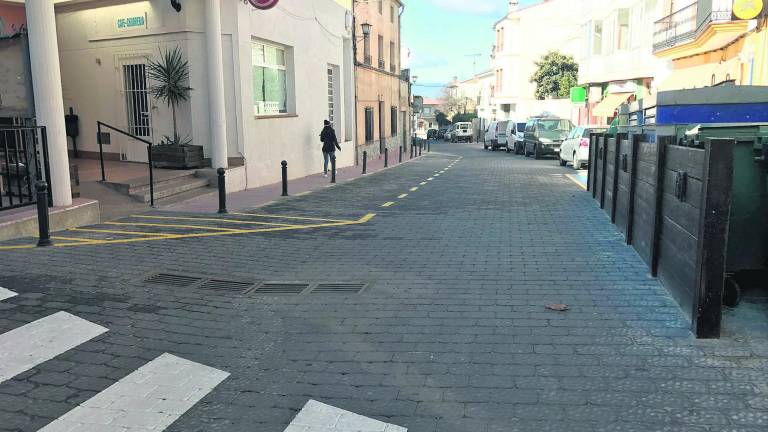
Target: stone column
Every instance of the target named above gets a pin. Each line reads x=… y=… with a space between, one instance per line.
x=49 y=102
x=216 y=83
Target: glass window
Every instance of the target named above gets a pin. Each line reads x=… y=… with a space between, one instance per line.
x=369 y=123
x=270 y=79
x=622 y=34
x=597 y=39
x=393 y=120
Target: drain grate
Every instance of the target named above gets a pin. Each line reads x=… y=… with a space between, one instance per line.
x=226 y=286
x=281 y=288
x=172 y=280
x=339 y=288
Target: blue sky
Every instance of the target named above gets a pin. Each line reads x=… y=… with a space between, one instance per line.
x=441 y=34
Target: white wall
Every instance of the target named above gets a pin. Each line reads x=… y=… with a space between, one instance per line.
x=314 y=31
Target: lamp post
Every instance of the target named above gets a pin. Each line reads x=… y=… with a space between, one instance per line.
x=414 y=122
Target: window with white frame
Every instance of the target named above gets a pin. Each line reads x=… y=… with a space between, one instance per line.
x=270 y=79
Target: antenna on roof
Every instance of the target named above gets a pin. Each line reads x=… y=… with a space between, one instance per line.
x=474 y=61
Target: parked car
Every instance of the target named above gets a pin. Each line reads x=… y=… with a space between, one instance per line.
x=575 y=148
x=448 y=132
x=432 y=134
x=496 y=135
x=543 y=136
x=462 y=131
x=519 y=146
x=489 y=136
x=511 y=135
x=441 y=132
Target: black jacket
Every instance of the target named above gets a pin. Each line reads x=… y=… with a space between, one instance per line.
x=328 y=137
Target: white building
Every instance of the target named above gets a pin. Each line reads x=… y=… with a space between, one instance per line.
x=523 y=36
x=263 y=80
x=617 y=61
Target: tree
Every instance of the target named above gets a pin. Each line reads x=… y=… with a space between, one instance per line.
x=464 y=117
x=555 y=76
x=442 y=119
x=170 y=75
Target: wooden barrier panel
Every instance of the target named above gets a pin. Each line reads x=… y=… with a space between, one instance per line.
x=608 y=175
x=644 y=204
x=622 y=182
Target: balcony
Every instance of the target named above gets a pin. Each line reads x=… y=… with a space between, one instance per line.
x=687 y=24
x=393 y=68
x=382 y=65
x=367 y=59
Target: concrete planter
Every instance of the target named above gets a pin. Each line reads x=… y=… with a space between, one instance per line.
x=183 y=157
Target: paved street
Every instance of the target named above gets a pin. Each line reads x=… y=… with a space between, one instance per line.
x=450 y=331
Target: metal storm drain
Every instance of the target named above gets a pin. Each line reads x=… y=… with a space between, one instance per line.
x=281 y=288
x=339 y=288
x=172 y=280
x=226 y=286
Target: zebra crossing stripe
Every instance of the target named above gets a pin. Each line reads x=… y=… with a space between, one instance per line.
x=319 y=417
x=6 y=294
x=23 y=348
x=149 y=399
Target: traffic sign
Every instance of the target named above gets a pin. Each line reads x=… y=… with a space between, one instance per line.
x=263 y=4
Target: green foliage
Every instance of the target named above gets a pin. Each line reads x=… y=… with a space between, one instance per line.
x=465 y=117
x=555 y=76
x=442 y=119
x=170 y=75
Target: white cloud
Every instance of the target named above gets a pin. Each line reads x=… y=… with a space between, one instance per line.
x=475 y=7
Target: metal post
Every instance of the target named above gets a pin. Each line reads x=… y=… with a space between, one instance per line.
x=412 y=149
x=421 y=147
x=429 y=146
x=151 y=177
x=365 y=161
x=386 y=157
x=285 y=177
x=101 y=150
x=400 y=155
x=42 y=214
x=222 y=190
x=333 y=169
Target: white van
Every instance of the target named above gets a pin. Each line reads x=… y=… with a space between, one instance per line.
x=512 y=135
x=496 y=135
x=462 y=131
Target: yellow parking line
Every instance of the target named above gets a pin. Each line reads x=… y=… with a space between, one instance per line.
x=388 y=204
x=423 y=183
x=139 y=233
x=78 y=239
x=414 y=189
x=402 y=196
x=288 y=217
x=170 y=226
x=573 y=179
x=430 y=179
x=232 y=221
x=303 y=193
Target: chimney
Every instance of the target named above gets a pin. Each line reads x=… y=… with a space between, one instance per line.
x=513 y=5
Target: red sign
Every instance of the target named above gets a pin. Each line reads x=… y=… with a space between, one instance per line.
x=263 y=4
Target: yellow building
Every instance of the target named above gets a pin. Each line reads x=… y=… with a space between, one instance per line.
x=382 y=103
x=710 y=42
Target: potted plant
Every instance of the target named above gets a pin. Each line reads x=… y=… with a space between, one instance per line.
x=169 y=75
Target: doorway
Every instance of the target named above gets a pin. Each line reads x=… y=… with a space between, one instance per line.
x=135 y=90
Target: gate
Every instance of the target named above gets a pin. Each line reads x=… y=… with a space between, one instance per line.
x=23 y=161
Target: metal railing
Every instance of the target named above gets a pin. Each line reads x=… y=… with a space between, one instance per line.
x=23 y=162
x=684 y=25
x=367 y=59
x=382 y=64
x=99 y=136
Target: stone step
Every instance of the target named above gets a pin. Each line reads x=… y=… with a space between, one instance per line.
x=169 y=188
x=140 y=184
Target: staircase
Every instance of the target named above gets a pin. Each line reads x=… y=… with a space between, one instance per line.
x=168 y=183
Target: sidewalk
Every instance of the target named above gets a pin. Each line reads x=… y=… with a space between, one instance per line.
x=260 y=196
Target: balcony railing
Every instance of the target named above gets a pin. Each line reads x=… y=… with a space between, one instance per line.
x=393 y=68
x=382 y=65
x=367 y=59
x=684 y=25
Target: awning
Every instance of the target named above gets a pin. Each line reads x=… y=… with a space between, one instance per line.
x=607 y=107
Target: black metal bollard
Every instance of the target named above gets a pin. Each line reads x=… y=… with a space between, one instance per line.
x=429 y=146
x=333 y=169
x=400 y=155
x=285 y=177
x=365 y=161
x=421 y=147
x=386 y=157
x=42 y=214
x=412 y=150
x=222 y=191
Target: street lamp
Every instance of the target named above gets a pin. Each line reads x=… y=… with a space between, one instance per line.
x=366 y=29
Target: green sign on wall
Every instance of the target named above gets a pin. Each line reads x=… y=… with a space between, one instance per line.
x=578 y=94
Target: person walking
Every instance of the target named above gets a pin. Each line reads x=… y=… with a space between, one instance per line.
x=330 y=144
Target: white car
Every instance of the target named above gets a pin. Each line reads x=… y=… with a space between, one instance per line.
x=462 y=131
x=495 y=135
x=575 y=148
x=449 y=133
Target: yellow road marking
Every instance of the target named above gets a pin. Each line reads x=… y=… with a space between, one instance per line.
x=402 y=196
x=78 y=239
x=288 y=217
x=140 y=233
x=430 y=179
x=573 y=179
x=360 y=221
x=303 y=193
x=414 y=189
x=168 y=226
x=232 y=221
x=423 y=183
x=388 y=204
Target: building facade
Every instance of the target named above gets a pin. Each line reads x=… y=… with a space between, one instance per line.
x=427 y=118
x=523 y=36
x=261 y=90
x=617 y=62
x=709 y=42
x=381 y=114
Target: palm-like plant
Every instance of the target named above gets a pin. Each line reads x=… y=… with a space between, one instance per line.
x=170 y=74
